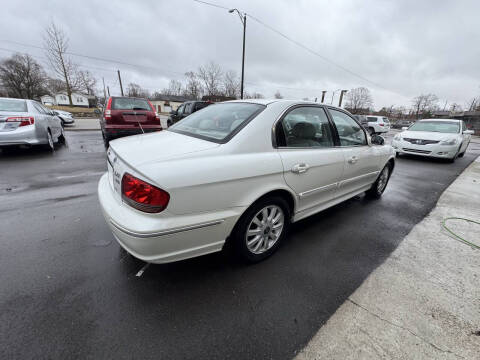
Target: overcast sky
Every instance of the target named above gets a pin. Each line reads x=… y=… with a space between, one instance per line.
x=398 y=48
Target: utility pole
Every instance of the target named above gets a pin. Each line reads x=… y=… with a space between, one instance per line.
x=104 y=91
x=316 y=99
x=341 y=97
x=323 y=95
x=108 y=88
x=120 y=81
x=244 y=23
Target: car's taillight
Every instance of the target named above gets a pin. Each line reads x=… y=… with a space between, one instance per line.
x=381 y=124
x=23 y=120
x=108 y=113
x=143 y=196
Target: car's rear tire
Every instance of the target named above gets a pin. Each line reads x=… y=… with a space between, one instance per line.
x=261 y=229
x=169 y=123
x=379 y=186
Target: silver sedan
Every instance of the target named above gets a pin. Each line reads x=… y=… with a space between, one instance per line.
x=27 y=122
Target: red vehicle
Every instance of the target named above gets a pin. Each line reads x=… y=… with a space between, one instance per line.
x=124 y=116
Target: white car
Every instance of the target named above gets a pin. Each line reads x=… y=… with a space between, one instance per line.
x=65 y=116
x=238 y=170
x=440 y=138
x=377 y=124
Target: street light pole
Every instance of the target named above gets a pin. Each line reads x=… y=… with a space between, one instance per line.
x=243 y=19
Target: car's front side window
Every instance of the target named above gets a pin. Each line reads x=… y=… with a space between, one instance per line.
x=349 y=132
x=304 y=127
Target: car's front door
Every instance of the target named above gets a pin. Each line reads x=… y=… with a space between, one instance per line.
x=362 y=161
x=312 y=164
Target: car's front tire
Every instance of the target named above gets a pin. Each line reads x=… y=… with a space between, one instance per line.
x=371 y=130
x=261 y=229
x=379 y=186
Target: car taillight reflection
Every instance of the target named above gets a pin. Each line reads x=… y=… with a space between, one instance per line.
x=142 y=195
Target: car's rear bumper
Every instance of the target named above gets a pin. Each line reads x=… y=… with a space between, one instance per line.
x=25 y=135
x=430 y=150
x=114 y=132
x=163 y=238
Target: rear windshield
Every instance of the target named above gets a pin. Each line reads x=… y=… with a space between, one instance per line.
x=130 y=104
x=371 y=118
x=201 y=105
x=450 y=127
x=217 y=123
x=13 y=105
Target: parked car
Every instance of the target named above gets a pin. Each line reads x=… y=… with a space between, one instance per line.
x=186 y=109
x=377 y=124
x=124 y=116
x=27 y=122
x=400 y=124
x=241 y=170
x=440 y=138
x=65 y=116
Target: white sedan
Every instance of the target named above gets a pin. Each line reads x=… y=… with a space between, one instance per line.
x=239 y=171
x=440 y=138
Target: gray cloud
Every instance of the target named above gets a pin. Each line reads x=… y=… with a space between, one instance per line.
x=408 y=47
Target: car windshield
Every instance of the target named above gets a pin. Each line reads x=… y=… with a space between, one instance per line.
x=130 y=104
x=217 y=123
x=450 y=127
x=13 y=105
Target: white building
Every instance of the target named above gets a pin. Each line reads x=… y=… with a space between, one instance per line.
x=62 y=99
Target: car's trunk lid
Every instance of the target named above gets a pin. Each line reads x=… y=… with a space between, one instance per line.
x=160 y=146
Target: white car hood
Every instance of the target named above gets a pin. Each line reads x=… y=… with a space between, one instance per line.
x=427 y=135
x=159 y=146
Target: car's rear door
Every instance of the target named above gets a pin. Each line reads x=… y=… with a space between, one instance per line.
x=362 y=161
x=312 y=164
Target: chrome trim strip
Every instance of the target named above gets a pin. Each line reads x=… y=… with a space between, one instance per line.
x=321 y=188
x=357 y=178
x=165 y=232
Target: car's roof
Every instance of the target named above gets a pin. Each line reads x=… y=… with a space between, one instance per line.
x=456 y=120
x=14 y=99
x=283 y=101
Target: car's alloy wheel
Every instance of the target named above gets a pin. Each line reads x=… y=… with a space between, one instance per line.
x=50 y=143
x=265 y=229
x=261 y=229
x=378 y=187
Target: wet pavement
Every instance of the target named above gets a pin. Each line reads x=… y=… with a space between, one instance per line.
x=67 y=290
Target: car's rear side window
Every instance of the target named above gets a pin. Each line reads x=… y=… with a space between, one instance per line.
x=371 y=118
x=130 y=104
x=304 y=127
x=13 y=105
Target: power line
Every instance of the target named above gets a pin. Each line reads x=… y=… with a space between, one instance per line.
x=324 y=58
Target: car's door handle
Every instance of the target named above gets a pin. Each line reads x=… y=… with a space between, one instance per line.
x=300 y=168
x=353 y=160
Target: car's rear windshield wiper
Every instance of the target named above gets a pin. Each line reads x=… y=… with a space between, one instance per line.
x=139 y=108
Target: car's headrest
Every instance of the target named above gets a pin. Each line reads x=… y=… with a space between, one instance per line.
x=304 y=130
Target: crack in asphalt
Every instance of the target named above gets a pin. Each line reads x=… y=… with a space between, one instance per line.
x=436 y=347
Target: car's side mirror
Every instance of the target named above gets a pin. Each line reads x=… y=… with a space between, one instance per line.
x=377 y=140
x=468 y=132
x=96 y=111
x=404 y=127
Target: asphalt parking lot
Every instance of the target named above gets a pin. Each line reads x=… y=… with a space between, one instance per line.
x=67 y=290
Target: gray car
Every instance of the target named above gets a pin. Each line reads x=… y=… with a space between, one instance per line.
x=27 y=122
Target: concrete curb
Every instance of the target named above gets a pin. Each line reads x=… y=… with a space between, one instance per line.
x=423 y=302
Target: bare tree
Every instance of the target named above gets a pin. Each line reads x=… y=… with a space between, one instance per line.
x=456 y=107
x=56 y=45
x=472 y=104
x=359 y=99
x=22 y=77
x=175 y=87
x=211 y=76
x=86 y=82
x=135 y=90
x=278 y=95
x=231 y=84
x=193 y=87
x=254 y=95
x=424 y=104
